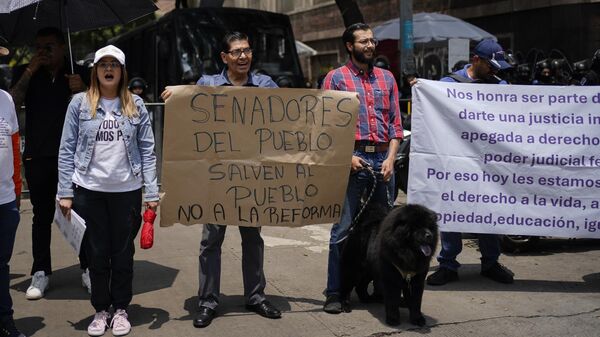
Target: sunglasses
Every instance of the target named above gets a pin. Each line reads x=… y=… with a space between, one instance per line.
x=492 y=62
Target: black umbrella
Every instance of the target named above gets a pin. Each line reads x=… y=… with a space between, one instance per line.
x=20 y=25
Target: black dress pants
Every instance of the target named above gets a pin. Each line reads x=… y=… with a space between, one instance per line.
x=41 y=174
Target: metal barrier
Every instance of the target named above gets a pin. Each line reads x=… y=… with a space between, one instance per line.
x=408 y=103
x=157 y=118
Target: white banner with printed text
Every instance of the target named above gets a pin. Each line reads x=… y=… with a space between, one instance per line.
x=507 y=159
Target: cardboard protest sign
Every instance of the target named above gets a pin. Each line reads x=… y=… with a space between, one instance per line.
x=507 y=159
x=256 y=156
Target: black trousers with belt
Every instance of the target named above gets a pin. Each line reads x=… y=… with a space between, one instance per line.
x=113 y=221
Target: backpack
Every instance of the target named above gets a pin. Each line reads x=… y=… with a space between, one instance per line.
x=460 y=79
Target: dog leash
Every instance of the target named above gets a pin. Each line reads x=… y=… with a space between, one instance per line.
x=407 y=276
x=365 y=203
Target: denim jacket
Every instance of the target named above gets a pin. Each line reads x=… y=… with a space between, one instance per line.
x=79 y=137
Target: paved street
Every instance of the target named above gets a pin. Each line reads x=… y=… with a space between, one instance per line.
x=556 y=291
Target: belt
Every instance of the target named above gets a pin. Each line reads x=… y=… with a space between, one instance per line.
x=370 y=147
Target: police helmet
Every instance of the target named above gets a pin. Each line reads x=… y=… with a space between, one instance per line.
x=137 y=82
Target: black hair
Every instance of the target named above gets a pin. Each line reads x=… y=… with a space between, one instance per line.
x=51 y=31
x=230 y=37
x=348 y=35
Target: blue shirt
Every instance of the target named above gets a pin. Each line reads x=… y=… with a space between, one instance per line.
x=254 y=80
x=463 y=73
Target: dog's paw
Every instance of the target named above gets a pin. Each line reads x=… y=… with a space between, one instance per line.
x=418 y=320
x=346 y=307
x=392 y=317
x=392 y=321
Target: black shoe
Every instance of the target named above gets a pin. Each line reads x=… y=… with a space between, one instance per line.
x=204 y=317
x=442 y=276
x=265 y=309
x=8 y=328
x=333 y=305
x=498 y=273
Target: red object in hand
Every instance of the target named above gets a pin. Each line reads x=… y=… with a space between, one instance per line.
x=147 y=237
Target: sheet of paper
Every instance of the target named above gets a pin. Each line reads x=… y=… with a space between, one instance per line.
x=72 y=230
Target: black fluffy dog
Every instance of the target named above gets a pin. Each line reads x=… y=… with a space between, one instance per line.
x=394 y=251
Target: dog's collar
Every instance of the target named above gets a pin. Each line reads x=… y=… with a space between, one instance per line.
x=407 y=275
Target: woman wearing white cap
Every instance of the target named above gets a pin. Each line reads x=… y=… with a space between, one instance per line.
x=106 y=156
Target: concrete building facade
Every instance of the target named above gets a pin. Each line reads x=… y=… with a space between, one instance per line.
x=571 y=27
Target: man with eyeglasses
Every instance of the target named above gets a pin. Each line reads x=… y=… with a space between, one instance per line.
x=236 y=54
x=378 y=134
x=45 y=86
x=487 y=60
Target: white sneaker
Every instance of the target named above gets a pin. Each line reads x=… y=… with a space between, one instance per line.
x=85 y=281
x=39 y=284
x=99 y=324
x=120 y=324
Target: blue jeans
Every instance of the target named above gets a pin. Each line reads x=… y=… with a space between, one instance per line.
x=489 y=245
x=359 y=183
x=9 y=219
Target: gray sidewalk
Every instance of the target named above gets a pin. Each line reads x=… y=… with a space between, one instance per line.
x=556 y=291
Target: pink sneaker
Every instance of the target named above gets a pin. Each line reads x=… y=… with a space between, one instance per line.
x=99 y=324
x=120 y=324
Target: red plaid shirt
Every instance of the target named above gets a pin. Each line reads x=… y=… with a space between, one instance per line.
x=379 y=114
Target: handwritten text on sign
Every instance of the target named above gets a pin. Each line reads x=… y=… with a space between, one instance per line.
x=255 y=156
x=508 y=159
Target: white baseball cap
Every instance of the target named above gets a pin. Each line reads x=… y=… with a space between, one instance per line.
x=110 y=50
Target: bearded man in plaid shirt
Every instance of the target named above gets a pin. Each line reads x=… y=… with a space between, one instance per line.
x=378 y=134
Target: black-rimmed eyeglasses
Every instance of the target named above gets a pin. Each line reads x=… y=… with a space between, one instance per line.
x=238 y=52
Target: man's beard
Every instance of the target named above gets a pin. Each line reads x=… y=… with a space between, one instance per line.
x=360 y=57
x=485 y=76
